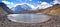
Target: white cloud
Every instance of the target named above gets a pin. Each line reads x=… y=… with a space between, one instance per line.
x=32 y=6
x=30 y=0
x=9 y=4
x=56 y=2
x=6 y=2
x=39 y=1
x=44 y=5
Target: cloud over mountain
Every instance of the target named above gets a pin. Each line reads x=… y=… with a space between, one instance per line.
x=56 y=2
x=23 y=7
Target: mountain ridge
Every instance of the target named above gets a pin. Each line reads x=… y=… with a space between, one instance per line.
x=51 y=10
x=20 y=8
x=5 y=8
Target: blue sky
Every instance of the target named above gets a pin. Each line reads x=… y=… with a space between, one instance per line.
x=18 y=1
x=34 y=3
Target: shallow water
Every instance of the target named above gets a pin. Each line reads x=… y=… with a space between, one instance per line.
x=28 y=18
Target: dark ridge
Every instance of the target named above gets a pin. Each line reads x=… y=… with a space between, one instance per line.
x=5 y=8
x=57 y=4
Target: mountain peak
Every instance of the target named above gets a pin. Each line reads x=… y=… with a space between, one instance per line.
x=51 y=10
x=20 y=8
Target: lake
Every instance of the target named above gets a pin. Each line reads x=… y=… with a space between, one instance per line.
x=28 y=18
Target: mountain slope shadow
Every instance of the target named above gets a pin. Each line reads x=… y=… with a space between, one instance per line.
x=5 y=9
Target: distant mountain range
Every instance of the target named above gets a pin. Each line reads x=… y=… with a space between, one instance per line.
x=51 y=10
x=20 y=8
x=26 y=9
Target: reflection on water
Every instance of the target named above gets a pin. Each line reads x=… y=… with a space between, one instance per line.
x=28 y=18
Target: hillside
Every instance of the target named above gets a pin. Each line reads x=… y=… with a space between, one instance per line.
x=5 y=8
x=2 y=12
x=51 y=10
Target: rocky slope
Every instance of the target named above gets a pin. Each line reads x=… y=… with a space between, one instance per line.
x=2 y=12
x=5 y=8
x=51 y=10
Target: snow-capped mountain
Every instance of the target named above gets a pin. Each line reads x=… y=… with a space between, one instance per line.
x=20 y=8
